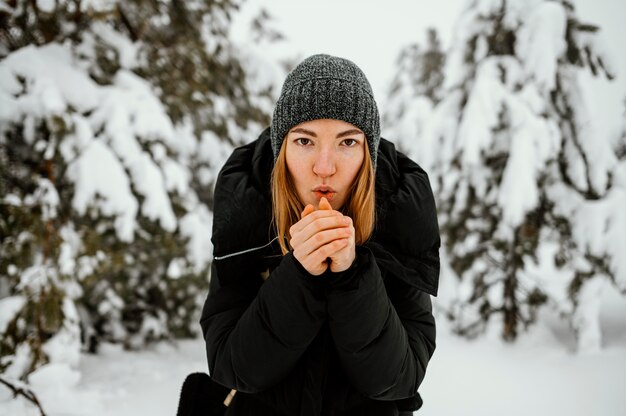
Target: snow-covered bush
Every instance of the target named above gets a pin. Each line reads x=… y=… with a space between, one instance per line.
x=115 y=118
x=530 y=195
x=414 y=91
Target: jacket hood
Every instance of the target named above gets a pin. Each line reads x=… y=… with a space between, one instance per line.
x=405 y=241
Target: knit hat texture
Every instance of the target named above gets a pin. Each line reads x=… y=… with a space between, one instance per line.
x=325 y=86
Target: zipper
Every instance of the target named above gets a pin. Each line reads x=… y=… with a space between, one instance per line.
x=244 y=251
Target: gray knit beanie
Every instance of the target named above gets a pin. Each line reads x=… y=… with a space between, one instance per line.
x=325 y=86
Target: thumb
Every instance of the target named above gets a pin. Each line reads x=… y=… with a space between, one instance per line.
x=324 y=204
x=307 y=210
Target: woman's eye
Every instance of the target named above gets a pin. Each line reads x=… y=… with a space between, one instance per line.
x=303 y=141
x=351 y=142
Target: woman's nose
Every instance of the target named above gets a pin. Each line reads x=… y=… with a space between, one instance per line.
x=324 y=164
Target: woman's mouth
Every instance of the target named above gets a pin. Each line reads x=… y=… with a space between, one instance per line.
x=324 y=191
x=327 y=194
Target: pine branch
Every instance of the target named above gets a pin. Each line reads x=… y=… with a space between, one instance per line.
x=29 y=394
x=134 y=36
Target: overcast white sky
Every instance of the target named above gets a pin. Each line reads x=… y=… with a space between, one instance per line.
x=371 y=33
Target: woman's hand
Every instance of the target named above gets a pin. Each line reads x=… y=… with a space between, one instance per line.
x=343 y=258
x=322 y=235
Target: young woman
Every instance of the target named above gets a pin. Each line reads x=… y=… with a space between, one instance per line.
x=325 y=256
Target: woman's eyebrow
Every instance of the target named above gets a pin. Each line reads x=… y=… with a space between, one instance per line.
x=349 y=133
x=340 y=135
x=304 y=131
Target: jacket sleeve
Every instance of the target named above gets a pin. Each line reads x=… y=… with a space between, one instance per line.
x=384 y=334
x=255 y=338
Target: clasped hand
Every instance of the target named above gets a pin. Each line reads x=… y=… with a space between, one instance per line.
x=323 y=238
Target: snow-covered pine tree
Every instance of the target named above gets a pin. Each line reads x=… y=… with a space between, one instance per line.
x=414 y=91
x=529 y=195
x=115 y=118
x=620 y=147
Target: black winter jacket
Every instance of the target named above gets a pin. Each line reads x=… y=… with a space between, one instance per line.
x=356 y=342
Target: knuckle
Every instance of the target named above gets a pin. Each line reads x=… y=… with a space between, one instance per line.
x=315 y=260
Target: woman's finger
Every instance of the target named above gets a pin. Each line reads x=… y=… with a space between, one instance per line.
x=310 y=218
x=322 y=238
x=321 y=224
x=343 y=258
x=307 y=210
x=324 y=204
x=326 y=251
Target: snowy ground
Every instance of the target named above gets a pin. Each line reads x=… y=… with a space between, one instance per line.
x=540 y=375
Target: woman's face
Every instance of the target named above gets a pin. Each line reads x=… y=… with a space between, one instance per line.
x=324 y=157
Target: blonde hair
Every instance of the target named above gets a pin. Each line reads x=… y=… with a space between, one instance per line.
x=286 y=206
